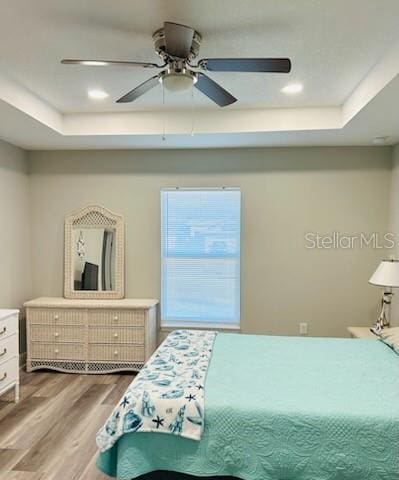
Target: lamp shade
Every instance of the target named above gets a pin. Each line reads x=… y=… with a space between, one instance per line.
x=387 y=274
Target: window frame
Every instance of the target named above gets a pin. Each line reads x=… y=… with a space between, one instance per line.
x=201 y=324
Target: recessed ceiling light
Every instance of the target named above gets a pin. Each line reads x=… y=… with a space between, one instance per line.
x=93 y=63
x=97 y=94
x=292 y=88
x=380 y=140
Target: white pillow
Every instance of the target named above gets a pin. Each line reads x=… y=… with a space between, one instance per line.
x=390 y=336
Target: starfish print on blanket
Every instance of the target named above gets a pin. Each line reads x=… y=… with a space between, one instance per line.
x=158 y=421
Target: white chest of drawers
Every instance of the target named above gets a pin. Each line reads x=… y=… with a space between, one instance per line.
x=90 y=336
x=9 y=352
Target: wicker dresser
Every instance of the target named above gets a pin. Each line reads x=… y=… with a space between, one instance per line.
x=9 y=354
x=90 y=336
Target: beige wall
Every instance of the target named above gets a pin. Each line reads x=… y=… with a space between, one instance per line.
x=15 y=260
x=285 y=193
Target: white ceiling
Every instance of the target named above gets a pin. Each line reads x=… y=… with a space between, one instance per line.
x=346 y=54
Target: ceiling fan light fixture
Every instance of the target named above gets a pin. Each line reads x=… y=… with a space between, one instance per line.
x=178 y=82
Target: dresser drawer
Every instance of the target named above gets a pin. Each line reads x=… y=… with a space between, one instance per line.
x=57 y=351
x=116 y=353
x=116 y=335
x=58 y=333
x=8 y=327
x=8 y=348
x=129 y=318
x=9 y=372
x=52 y=316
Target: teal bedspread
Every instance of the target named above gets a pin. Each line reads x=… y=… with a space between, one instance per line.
x=283 y=408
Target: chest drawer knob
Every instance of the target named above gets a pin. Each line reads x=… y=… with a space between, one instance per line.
x=56 y=334
x=3 y=377
x=56 y=317
x=56 y=350
x=3 y=331
x=116 y=353
x=116 y=335
x=116 y=318
x=4 y=352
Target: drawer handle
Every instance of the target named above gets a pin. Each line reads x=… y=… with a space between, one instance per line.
x=3 y=377
x=116 y=353
x=4 y=352
x=56 y=317
x=116 y=335
x=3 y=331
x=116 y=318
x=56 y=350
x=56 y=334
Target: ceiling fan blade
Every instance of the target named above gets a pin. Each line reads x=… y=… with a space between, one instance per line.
x=272 y=65
x=140 y=90
x=214 y=91
x=178 y=39
x=107 y=63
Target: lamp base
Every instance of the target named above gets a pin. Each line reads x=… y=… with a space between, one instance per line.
x=377 y=328
x=382 y=320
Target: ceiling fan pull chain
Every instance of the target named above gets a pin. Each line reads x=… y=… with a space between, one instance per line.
x=193 y=117
x=163 y=116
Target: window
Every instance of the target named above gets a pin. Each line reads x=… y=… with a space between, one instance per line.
x=200 y=246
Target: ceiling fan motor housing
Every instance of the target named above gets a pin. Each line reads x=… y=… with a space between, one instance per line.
x=160 y=45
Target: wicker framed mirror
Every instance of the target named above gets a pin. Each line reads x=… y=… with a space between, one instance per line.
x=94 y=254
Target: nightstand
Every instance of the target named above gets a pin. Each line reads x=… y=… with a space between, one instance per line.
x=362 y=332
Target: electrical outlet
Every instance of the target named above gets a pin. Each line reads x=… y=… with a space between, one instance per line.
x=303 y=328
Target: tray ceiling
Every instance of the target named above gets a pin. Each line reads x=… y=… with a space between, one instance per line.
x=338 y=49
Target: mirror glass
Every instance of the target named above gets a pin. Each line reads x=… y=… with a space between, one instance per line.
x=94 y=258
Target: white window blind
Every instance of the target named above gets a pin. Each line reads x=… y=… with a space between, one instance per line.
x=200 y=246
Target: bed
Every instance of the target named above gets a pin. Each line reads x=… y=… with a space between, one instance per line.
x=282 y=408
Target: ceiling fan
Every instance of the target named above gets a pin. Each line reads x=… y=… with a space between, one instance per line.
x=178 y=45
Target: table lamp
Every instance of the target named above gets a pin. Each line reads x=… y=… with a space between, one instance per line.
x=387 y=277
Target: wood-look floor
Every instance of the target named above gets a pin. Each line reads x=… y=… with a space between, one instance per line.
x=50 y=433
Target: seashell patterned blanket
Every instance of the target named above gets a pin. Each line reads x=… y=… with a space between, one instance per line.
x=167 y=396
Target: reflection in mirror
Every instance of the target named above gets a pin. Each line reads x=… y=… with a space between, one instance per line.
x=94 y=259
